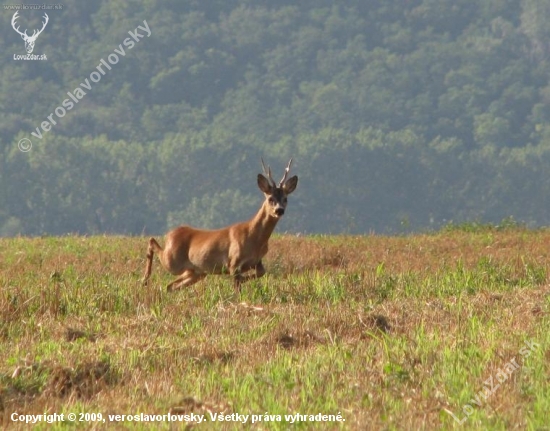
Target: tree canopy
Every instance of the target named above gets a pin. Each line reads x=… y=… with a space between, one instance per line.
x=400 y=115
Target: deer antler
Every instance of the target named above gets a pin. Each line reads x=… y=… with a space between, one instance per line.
x=34 y=34
x=287 y=170
x=15 y=16
x=44 y=23
x=267 y=173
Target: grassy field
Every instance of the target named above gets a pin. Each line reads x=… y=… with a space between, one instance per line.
x=379 y=332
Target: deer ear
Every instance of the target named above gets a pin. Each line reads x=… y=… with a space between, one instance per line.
x=264 y=185
x=290 y=185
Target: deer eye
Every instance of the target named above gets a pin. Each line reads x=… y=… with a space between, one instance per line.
x=271 y=200
x=285 y=200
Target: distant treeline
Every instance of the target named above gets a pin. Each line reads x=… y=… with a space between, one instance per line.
x=401 y=115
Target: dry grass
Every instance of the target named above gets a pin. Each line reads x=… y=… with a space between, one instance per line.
x=389 y=331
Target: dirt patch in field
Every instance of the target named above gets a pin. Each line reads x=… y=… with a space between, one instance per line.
x=84 y=381
x=289 y=339
x=377 y=322
x=30 y=381
x=189 y=405
x=212 y=356
x=72 y=334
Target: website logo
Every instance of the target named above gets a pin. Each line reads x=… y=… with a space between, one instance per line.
x=29 y=40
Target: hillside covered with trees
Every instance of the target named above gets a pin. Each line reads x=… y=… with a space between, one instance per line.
x=400 y=114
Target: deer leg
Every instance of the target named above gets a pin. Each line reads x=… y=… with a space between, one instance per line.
x=188 y=278
x=153 y=246
x=237 y=280
x=259 y=271
x=247 y=267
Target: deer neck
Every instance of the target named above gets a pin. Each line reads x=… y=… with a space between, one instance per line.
x=263 y=224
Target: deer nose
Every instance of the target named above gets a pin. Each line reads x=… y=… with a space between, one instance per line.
x=280 y=211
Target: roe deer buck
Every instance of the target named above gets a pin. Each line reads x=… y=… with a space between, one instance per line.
x=193 y=253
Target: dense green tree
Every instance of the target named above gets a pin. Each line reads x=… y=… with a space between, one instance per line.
x=400 y=115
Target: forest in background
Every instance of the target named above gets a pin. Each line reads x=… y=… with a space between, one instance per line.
x=400 y=115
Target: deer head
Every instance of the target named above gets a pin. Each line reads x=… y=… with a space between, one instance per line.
x=276 y=194
x=29 y=40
